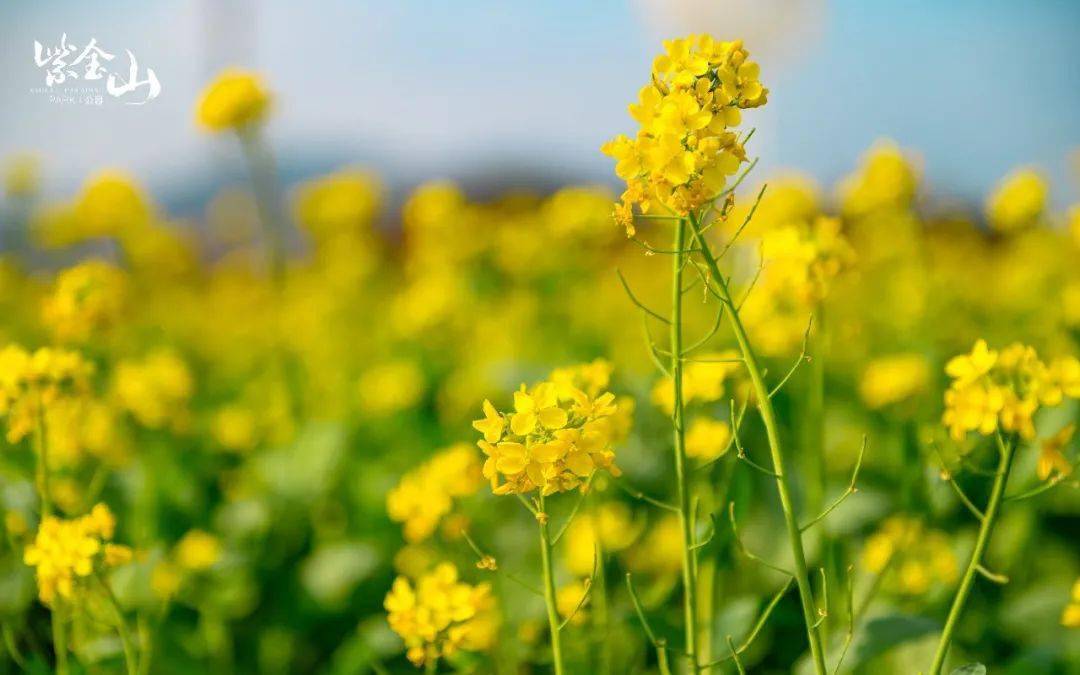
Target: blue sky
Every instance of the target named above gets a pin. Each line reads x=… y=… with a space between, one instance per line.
x=420 y=89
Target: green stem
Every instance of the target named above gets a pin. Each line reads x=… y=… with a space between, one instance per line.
x=60 y=648
x=689 y=573
x=549 y=591
x=768 y=418
x=131 y=660
x=662 y=660
x=990 y=516
x=12 y=645
x=264 y=183
x=431 y=666
x=42 y=473
x=601 y=615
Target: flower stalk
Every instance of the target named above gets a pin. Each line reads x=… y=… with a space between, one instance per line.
x=762 y=395
x=549 y=591
x=682 y=478
x=989 y=519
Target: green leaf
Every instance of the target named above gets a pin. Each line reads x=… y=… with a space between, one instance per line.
x=886 y=632
x=970 y=669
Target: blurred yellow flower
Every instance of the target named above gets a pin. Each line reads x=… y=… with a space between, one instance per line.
x=390 y=387
x=886 y=180
x=425 y=495
x=611 y=523
x=64 y=552
x=32 y=382
x=197 y=550
x=111 y=204
x=154 y=389
x=1018 y=201
x=571 y=601
x=87 y=299
x=912 y=557
x=1052 y=460
x=892 y=379
x=236 y=99
x=340 y=204
x=707 y=439
x=1070 y=617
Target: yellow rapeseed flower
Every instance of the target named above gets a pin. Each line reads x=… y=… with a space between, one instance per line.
x=197 y=550
x=556 y=438
x=426 y=495
x=340 y=204
x=236 y=99
x=154 y=389
x=891 y=379
x=912 y=557
x=87 y=299
x=440 y=614
x=1019 y=201
x=1004 y=389
x=1070 y=617
x=686 y=148
x=707 y=439
x=30 y=383
x=65 y=552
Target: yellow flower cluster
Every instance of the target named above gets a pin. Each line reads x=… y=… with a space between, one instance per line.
x=686 y=148
x=994 y=390
x=86 y=299
x=912 y=557
x=236 y=100
x=1070 y=618
x=426 y=494
x=1018 y=202
x=702 y=380
x=65 y=551
x=31 y=382
x=154 y=389
x=557 y=436
x=440 y=615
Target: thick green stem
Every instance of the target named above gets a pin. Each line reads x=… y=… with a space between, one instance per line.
x=768 y=418
x=682 y=478
x=990 y=516
x=549 y=591
x=60 y=647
